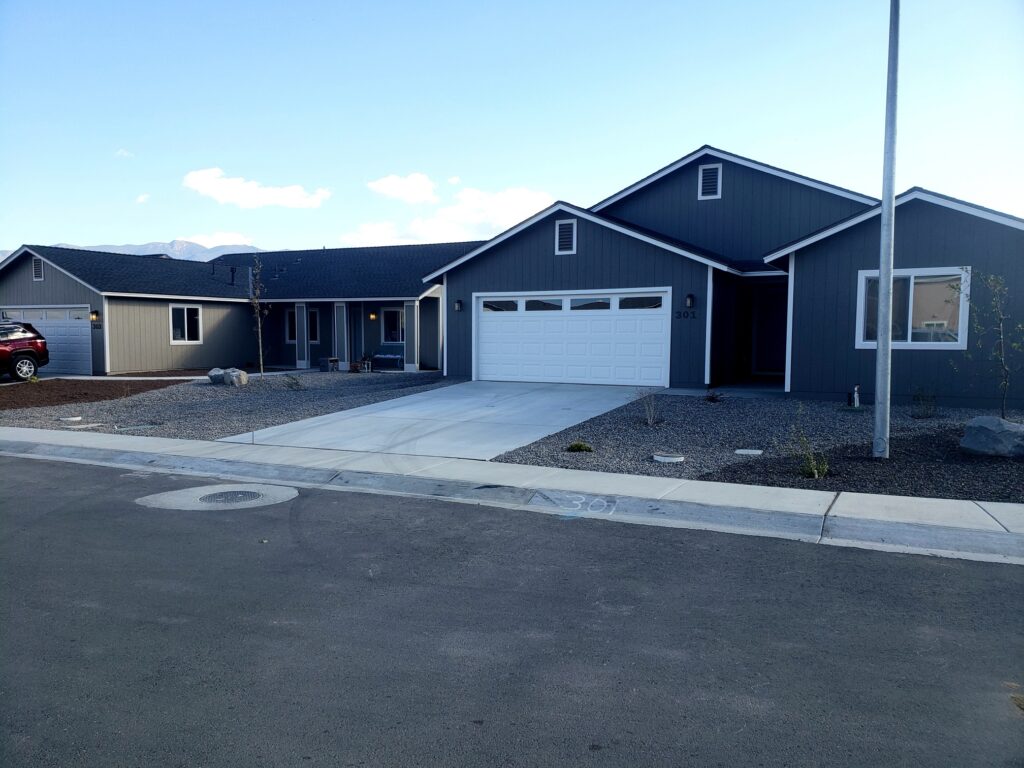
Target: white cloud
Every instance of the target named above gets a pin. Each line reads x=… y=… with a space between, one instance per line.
x=122 y=152
x=218 y=238
x=414 y=188
x=475 y=215
x=211 y=182
x=375 y=233
x=143 y=198
x=454 y=180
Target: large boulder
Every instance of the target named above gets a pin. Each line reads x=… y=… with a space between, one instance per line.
x=235 y=377
x=992 y=436
x=216 y=375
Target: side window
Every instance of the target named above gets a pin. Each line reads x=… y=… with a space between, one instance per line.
x=186 y=324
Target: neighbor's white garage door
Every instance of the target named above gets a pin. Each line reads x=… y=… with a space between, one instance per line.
x=68 y=336
x=611 y=337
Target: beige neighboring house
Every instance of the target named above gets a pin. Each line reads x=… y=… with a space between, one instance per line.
x=119 y=313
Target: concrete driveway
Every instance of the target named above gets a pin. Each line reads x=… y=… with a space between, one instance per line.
x=473 y=420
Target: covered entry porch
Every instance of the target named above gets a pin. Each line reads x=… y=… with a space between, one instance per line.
x=748 y=331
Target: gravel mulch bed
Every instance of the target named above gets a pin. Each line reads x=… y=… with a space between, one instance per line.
x=202 y=411
x=60 y=391
x=925 y=458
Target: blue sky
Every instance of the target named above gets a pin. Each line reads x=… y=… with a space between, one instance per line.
x=308 y=124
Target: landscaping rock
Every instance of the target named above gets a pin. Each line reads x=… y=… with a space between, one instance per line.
x=216 y=375
x=235 y=377
x=992 y=436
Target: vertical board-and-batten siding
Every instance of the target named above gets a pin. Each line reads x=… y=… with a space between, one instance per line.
x=825 y=361
x=604 y=259
x=17 y=288
x=756 y=212
x=140 y=336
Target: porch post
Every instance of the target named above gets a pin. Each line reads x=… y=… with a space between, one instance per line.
x=412 y=339
x=341 y=332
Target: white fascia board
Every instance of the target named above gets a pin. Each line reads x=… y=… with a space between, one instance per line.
x=349 y=299
x=580 y=214
x=707 y=152
x=168 y=296
x=917 y=194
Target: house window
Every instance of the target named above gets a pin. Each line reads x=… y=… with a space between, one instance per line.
x=498 y=305
x=640 y=302
x=929 y=308
x=37 y=268
x=392 y=326
x=595 y=303
x=186 y=324
x=314 y=326
x=543 y=305
x=709 y=182
x=565 y=237
x=289 y=326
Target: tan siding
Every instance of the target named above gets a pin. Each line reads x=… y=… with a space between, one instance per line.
x=140 y=336
x=17 y=288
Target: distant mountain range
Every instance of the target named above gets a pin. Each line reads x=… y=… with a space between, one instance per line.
x=178 y=249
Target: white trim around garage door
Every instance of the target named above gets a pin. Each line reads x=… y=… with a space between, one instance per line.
x=665 y=291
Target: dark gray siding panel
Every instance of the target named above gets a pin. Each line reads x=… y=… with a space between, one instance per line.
x=140 y=336
x=430 y=333
x=18 y=288
x=825 y=361
x=603 y=259
x=757 y=211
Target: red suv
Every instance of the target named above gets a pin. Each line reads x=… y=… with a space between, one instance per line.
x=22 y=350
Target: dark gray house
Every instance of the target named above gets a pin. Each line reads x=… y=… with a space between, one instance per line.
x=720 y=270
x=714 y=270
x=352 y=303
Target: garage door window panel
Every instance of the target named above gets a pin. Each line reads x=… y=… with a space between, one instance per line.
x=186 y=324
x=640 y=302
x=589 y=304
x=543 y=305
x=501 y=305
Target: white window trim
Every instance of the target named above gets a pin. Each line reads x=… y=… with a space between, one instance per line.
x=558 y=225
x=42 y=275
x=170 y=324
x=963 y=324
x=309 y=325
x=286 y=339
x=700 y=181
x=401 y=313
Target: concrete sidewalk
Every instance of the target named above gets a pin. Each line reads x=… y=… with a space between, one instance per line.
x=975 y=530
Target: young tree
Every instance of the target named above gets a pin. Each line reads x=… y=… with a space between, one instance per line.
x=258 y=310
x=997 y=341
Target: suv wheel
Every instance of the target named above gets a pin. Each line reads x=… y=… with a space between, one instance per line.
x=24 y=368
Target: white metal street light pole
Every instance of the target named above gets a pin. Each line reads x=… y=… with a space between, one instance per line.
x=883 y=355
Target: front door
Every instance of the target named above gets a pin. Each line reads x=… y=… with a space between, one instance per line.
x=301 y=337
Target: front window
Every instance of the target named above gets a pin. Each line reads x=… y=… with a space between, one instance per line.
x=186 y=324
x=929 y=308
x=289 y=326
x=392 y=326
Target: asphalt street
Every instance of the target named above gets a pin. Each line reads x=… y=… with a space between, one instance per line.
x=347 y=629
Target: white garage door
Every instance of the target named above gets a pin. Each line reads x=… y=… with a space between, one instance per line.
x=68 y=335
x=611 y=337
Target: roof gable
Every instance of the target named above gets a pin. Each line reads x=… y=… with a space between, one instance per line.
x=914 y=193
x=676 y=247
x=707 y=152
x=120 y=274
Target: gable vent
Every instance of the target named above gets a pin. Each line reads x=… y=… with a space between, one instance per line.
x=709 y=182
x=37 y=268
x=565 y=237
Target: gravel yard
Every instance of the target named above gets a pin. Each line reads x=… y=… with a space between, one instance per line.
x=203 y=411
x=925 y=458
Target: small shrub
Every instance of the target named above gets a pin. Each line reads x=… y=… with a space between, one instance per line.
x=579 y=447
x=293 y=383
x=922 y=405
x=713 y=397
x=812 y=464
x=34 y=379
x=646 y=399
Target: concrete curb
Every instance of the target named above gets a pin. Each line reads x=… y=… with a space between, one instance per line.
x=816 y=528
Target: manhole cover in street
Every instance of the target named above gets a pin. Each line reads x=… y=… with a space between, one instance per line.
x=219 y=498
x=230 y=497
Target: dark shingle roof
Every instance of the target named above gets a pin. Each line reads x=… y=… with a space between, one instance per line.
x=389 y=271
x=156 y=275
